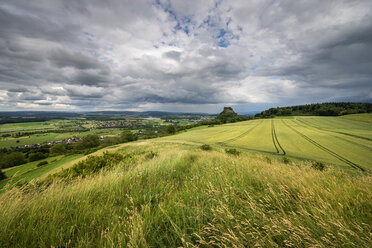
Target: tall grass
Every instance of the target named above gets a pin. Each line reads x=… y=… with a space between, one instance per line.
x=185 y=197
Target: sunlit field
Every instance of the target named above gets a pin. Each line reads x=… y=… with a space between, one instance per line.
x=338 y=141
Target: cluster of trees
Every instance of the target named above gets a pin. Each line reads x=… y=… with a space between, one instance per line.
x=319 y=109
x=12 y=159
x=61 y=130
x=2 y=175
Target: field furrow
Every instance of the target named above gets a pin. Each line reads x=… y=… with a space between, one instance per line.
x=242 y=134
x=278 y=147
x=259 y=139
x=362 y=144
x=306 y=122
x=336 y=155
x=299 y=148
x=340 y=126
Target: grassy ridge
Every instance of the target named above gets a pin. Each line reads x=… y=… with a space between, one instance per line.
x=188 y=197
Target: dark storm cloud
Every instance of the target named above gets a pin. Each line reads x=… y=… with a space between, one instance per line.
x=153 y=54
x=31 y=96
x=344 y=61
x=17 y=90
x=25 y=22
x=63 y=58
x=89 y=78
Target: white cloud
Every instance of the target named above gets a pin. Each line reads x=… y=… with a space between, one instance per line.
x=182 y=55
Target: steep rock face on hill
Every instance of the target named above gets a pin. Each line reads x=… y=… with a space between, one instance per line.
x=229 y=115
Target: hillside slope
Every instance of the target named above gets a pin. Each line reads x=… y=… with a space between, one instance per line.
x=367 y=117
x=341 y=142
x=173 y=194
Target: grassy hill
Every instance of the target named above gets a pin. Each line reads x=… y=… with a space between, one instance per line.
x=168 y=192
x=359 y=117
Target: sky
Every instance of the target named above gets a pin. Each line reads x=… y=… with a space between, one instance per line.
x=188 y=56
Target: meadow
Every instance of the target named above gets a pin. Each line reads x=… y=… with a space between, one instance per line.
x=173 y=193
x=177 y=195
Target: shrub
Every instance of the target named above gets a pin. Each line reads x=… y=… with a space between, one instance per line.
x=12 y=159
x=318 y=165
x=93 y=164
x=171 y=129
x=232 y=151
x=42 y=163
x=2 y=175
x=91 y=150
x=58 y=149
x=206 y=147
x=89 y=141
x=128 y=136
x=268 y=160
x=286 y=160
x=36 y=156
x=109 y=141
x=151 y=155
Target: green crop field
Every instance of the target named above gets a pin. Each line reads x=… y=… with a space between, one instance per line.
x=26 y=172
x=343 y=142
x=16 y=127
x=50 y=136
x=359 y=117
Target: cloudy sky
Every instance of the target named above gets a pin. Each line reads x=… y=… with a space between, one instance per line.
x=178 y=55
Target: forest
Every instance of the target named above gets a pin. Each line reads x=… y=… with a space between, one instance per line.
x=318 y=109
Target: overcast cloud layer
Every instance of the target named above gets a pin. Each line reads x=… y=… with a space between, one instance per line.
x=183 y=55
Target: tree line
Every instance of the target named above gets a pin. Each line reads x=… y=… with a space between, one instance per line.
x=318 y=109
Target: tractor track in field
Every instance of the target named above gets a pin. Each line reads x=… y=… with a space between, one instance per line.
x=240 y=135
x=339 y=157
x=278 y=147
x=306 y=125
x=323 y=129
